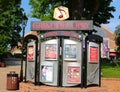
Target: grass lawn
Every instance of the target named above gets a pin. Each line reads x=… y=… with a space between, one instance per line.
x=110 y=71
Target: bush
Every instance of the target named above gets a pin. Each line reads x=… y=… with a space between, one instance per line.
x=17 y=55
x=118 y=62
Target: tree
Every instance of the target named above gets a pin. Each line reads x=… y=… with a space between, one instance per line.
x=97 y=10
x=117 y=38
x=10 y=20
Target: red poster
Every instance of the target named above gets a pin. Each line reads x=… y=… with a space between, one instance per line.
x=31 y=53
x=50 y=51
x=93 y=54
x=73 y=74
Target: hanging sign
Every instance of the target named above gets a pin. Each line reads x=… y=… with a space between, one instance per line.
x=61 y=13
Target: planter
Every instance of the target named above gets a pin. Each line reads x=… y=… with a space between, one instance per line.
x=2 y=64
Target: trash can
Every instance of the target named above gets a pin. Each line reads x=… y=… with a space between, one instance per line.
x=12 y=81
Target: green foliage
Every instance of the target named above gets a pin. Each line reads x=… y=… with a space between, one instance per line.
x=117 y=38
x=97 y=10
x=10 y=20
x=118 y=62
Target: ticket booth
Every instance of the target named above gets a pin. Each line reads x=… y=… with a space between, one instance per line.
x=61 y=53
x=92 y=70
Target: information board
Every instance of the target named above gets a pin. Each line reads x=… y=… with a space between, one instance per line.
x=93 y=52
x=70 y=50
x=73 y=75
x=31 y=53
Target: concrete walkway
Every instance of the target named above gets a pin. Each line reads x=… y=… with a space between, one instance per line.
x=12 y=64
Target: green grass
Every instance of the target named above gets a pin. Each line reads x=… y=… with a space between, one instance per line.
x=110 y=71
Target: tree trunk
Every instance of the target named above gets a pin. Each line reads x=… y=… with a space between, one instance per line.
x=77 y=9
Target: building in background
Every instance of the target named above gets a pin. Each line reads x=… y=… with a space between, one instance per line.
x=108 y=47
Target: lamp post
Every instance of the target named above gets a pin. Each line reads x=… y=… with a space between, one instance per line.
x=24 y=23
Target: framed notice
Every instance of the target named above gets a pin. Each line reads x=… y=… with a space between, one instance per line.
x=47 y=73
x=93 y=54
x=31 y=53
x=70 y=51
x=73 y=75
x=50 y=51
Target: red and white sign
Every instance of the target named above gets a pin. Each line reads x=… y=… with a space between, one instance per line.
x=50 y=51
x=73 y=75
x=61 y=13
x=31 y=53
x=93 y=54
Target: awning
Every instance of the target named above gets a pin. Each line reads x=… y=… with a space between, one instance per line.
x=112 y=54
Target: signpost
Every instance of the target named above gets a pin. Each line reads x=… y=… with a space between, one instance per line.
x=61 y=13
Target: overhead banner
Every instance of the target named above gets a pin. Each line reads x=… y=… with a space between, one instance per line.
x=105 y=49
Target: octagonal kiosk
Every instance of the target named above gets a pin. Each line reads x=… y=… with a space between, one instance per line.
x=61 y=58
x=93 y=71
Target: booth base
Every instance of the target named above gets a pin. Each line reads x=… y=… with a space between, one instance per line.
x=29 y=87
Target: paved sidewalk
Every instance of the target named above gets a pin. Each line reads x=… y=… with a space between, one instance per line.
x=12 y=64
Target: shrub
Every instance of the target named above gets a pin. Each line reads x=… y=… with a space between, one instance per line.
x=118 y=62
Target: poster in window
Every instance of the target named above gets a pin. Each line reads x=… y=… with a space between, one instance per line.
x=73 y=75
x=50 y=51
x=47 y=73
x=31 y=53
x=93 y=54
x=70 y=52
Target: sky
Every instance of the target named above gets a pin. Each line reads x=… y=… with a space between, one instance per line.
x=111 y=26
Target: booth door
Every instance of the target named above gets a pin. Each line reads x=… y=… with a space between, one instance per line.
x=72 y=62
x=30 y=70
x=93 y=66
x=49 y=62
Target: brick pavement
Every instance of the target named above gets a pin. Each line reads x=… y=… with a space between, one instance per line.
x=12 y=64
x=109 y=84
